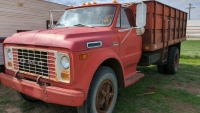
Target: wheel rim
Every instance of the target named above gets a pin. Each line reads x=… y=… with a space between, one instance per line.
x=176 y=62
x=104 y=96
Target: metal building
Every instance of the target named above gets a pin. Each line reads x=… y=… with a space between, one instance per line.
x=25 y=15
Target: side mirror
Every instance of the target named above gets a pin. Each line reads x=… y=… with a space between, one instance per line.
x=51 y=16
x=141 y=15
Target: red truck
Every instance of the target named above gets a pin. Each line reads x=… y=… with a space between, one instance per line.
x=93 y=50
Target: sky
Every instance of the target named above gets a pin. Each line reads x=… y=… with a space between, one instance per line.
x=179 y=4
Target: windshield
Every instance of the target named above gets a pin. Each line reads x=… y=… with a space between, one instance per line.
x=88 y=16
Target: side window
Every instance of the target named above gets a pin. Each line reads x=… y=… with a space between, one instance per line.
x=125 y=18
x=118 y=21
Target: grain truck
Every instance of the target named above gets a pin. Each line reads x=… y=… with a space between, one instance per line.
x=93 y=50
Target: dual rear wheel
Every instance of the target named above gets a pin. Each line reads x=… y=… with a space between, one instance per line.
x=172 y=62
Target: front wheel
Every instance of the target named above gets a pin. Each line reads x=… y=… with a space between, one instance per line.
x=102 y=94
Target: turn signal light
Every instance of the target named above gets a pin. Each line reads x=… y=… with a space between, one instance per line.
x=83 y=56
x=114 y=1
x=65 y=75
x=9 y=64
x=146 y=47
x=83 y=4
x=94 y=2
x=89 y=3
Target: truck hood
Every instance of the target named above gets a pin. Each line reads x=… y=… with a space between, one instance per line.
x=74 y=38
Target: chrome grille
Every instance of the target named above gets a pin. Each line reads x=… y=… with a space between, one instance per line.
x=36 y=62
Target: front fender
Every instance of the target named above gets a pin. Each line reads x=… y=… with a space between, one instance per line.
x=84 y=70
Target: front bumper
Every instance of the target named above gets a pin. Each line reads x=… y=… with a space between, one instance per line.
x=49 y=94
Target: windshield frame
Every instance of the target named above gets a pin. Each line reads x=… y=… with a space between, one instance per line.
x=113 y=19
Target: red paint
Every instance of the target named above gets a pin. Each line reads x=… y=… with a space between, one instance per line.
x=48 y=94
x=74 y=38
x=72 y=41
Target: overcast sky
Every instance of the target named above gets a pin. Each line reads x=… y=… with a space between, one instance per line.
x=180 y=4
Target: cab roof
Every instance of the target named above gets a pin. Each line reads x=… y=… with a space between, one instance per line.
x=99 y=4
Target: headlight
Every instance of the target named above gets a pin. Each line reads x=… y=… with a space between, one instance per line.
x=8 y=57
x=63 y=69
x=9 y=54
x=65 y=62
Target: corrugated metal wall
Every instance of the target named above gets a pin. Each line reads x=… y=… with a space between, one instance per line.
x=193 y=29
x=25 y=15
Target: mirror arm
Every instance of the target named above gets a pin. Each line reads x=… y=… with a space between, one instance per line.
x=52 y=24
x=138 y=27
x=128 y=33
x=51 y=16
x=129 y=29
x=51 y=19
x=124 y=30
x=142 y=10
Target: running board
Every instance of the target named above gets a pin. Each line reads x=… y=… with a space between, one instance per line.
x=133 y=79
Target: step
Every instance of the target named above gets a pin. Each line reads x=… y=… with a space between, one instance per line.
x=133 y=79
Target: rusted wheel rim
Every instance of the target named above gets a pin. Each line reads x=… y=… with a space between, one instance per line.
x=104 y=96
x=176 y=62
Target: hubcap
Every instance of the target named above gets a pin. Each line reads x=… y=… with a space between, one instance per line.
x=104 y=96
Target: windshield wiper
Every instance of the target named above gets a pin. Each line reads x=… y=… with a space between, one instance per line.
x=82 y=25
x=59 y=24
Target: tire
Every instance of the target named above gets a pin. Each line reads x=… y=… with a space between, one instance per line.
x=172 y=61
x=104 y=86
x=161 y=68
x=27 y=98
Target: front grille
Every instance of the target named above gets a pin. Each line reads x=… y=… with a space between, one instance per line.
x=36 y=62
x=33 y=61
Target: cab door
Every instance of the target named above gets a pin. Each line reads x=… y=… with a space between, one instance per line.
x=130 y=44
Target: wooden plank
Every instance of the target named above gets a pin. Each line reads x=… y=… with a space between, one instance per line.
x=179 y=23
x=164 y=26
x=183 y=21
x=155 y=21
x=150 y=23
x=175 y=24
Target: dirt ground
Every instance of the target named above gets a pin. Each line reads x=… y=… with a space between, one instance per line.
x=10 y=102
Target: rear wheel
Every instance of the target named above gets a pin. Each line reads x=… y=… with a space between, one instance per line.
x=172 y=61
x=27 y=98
x=102 y=94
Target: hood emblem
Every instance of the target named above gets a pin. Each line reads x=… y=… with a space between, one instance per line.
x=30 y=62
